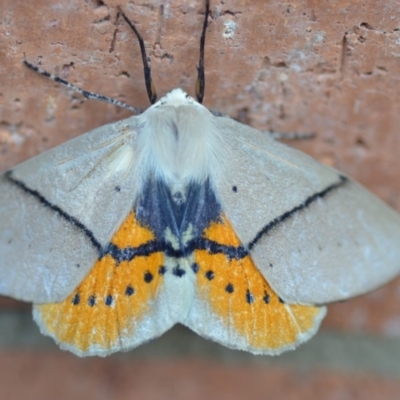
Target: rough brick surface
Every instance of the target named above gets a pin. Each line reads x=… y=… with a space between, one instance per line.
x=50 y=376
x=326 y=67
x=377 y=313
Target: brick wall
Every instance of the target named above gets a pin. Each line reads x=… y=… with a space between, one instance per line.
x=331 y=68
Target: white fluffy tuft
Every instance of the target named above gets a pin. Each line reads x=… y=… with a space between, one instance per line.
x=178 y=141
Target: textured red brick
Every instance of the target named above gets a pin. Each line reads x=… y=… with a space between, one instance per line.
x=377 y=313
x=307 y=66
x=62 y=376
x=11 y=304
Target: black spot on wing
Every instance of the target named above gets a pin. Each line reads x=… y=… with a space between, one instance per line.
x=178 y=271
x=229 y=288
x=249 y=297
x=195 y=268
x=209 y=275
x=129 y=291
x=76 y=299
x=109 y=300
x=92 y=300
x=148 y=277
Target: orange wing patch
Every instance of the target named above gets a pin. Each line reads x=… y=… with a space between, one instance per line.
x=102 y=312
x=243 y=299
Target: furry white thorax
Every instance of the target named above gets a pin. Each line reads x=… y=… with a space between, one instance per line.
x=178 y=141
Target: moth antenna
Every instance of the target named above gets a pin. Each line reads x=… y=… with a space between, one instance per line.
x=151 y=91
x=85 y=93
x=200 y=83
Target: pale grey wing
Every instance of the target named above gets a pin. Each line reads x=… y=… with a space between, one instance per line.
x=59 y=209
x=315 y=235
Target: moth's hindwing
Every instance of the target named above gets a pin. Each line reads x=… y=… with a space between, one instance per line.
x=234 y=304
x=104 y=313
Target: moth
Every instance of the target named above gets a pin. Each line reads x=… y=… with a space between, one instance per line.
x=181 y=215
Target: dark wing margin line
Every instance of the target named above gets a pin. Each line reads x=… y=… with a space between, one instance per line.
x=288 y=214
x=156 y=246
x=69 y=218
